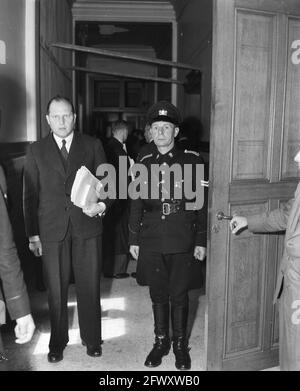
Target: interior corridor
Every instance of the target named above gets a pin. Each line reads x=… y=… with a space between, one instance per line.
x=127 y=331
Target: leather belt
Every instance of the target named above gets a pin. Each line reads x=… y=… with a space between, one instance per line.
x=166 y=208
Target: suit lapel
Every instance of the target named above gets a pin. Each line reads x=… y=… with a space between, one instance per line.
x=76 y=154
x=53 y=155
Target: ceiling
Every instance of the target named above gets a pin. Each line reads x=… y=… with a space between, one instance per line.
x=177 y=4
x=99 y=1
x=106 y=34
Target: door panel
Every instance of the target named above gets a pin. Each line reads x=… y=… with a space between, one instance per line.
x=254 y=138
x=254 y=96
x=245 y=293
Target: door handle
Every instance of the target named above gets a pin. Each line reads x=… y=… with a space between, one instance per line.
x=221 y=216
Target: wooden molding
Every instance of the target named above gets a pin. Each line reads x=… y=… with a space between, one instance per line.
x=47 y=49
x=145 y=11
x=179 y=7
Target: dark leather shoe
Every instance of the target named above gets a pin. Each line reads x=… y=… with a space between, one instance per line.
x=121 y=275
x=161 y=348
x=94 y=351
x=84 y=343
x=133 y=274
x=182 y=356
x=54 y=357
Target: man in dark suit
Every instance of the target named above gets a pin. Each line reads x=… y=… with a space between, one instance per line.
x=165 y=235
x=116 y=220
x=149 y=147
x=11 y=276
x=64 y=235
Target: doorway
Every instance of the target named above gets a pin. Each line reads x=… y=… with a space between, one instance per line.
x=102 y=98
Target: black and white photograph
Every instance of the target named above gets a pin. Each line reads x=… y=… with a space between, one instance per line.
x=149 y=189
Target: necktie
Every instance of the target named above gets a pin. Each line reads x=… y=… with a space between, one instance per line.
x=63 y=150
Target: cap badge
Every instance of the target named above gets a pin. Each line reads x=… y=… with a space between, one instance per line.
x=162 y=112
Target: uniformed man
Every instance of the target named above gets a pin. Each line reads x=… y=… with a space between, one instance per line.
x=165 y=237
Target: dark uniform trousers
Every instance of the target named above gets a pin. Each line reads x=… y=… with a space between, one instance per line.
x=168 y=276
x=83 y=255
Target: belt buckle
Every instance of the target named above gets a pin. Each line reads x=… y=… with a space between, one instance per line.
x=166 y=208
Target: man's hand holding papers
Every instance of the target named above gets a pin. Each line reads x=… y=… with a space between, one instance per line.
x=86 y=193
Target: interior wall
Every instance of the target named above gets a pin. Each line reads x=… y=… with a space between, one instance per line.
x=55 y=26
x=21 y=24
x=195 y=47
x=17 y=109
x=12 y=72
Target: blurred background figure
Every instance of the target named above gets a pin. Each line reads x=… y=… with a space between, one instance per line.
x=147 y=134
x=149 y=146
x=115 y=246
x=190 y=134
x=134 y=143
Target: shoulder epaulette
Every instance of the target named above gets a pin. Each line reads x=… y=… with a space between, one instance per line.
x=146 y=156
x=193 y=152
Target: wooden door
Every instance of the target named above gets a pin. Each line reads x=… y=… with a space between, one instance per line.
x=255 y=135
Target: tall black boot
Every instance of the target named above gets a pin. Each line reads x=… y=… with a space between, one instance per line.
x=179 y=316
x=162 y=343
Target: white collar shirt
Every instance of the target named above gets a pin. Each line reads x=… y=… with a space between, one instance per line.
x=68 y=139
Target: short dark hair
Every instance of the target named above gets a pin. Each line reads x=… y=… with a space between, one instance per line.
x=59 y=98
x=119 y=125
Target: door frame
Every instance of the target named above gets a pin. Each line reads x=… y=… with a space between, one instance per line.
x=121 y=11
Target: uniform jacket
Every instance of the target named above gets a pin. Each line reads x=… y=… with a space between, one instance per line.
x=11 y=275
x=47 y=188
x=146 y=149
x=285 y=218
x=174 y=233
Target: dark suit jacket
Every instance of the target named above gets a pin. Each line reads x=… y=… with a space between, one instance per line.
x=114 y=150
x=47 y=188
x=11 y=275
x=116 y=220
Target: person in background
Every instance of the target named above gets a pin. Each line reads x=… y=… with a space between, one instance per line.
x=115 y=249
x=149 y=147
x=134 y=143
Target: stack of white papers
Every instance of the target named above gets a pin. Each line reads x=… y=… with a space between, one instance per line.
x=83 y=191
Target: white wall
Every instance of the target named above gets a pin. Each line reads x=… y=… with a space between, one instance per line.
x=14 y=95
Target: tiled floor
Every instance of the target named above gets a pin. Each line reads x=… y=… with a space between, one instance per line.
x=127 y=332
